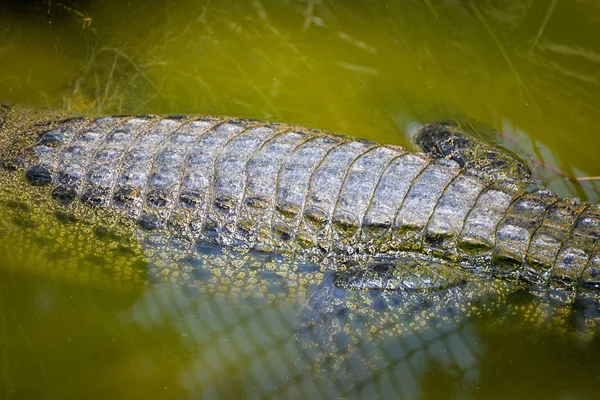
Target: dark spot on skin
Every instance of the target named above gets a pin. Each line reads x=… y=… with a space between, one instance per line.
x=120 y=132
x=256 y=202
x=74 y=150
x=569 y=259
x=500 y=164
x=124 y=195
x=381 y=268
x=51 y=138
x=95 y=196
x=177 y=116
x=346 y=222
x=157 y=198
x=190 y=199
x=64 y=195
x=210 y=229
x=434 y=241
x=149 y=221
x=285 y=232
x=245 y=227
x=473 y=247
x=223 y=204
x=455 y=147
x=429 y=137
x=342 y=313
x=65 y=218
x=287 y=210
x=506 y=262
x=491 y=155
x=286 y=236
x=316 y=215
x=38 y=176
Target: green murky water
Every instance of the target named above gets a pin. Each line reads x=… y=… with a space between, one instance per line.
x=528 y=70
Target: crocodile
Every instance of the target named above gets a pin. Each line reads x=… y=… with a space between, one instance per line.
x=270 y=187
x=240 y=235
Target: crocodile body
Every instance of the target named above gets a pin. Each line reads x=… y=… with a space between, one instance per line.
x=164 y=213
x=272 y=187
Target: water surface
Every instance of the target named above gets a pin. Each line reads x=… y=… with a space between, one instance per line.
x=525 y=73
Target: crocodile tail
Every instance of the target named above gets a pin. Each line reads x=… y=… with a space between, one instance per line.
x=543 y=239
x=578 y=258
x=527 y=231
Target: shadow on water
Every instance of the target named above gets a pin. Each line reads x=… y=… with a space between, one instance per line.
x=78 y=316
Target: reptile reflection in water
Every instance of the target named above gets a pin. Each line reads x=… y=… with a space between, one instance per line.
x=272 y=325
x=117 y=202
